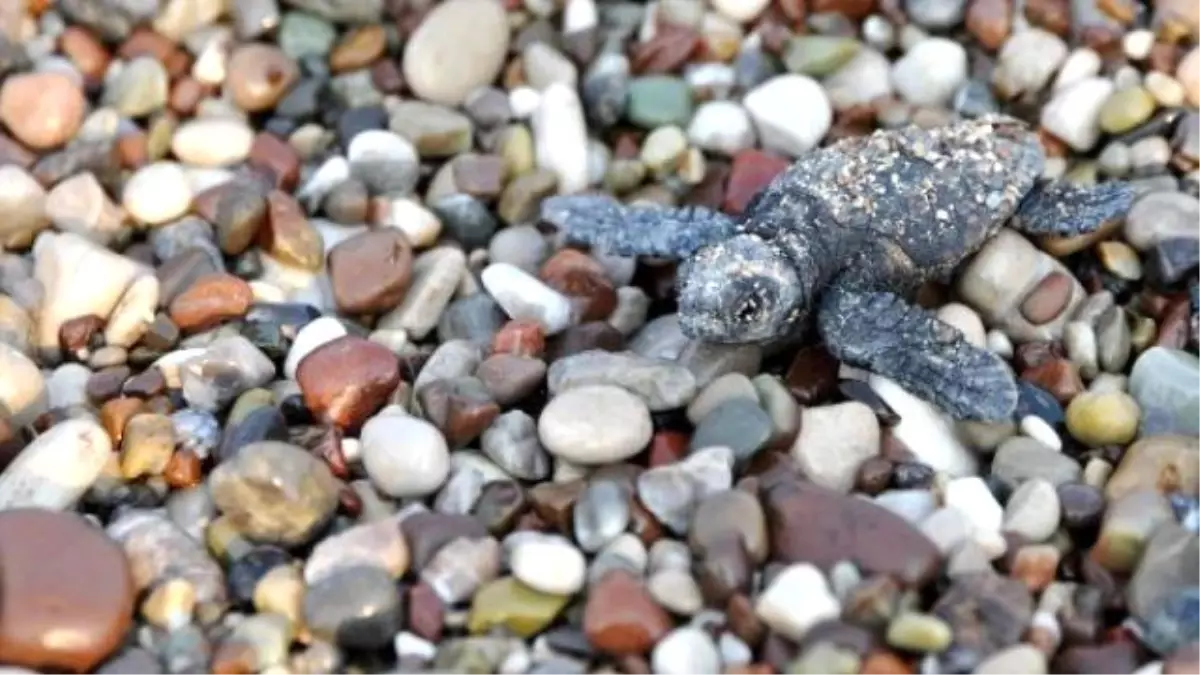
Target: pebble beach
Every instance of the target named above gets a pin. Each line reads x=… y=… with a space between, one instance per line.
x=294 y=378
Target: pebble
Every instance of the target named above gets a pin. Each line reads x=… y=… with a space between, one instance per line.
x=660 y=384
x=1164 y=384
x=1073 y=114
x=468 y=38
x=917 y=632
x=1126 y=109
x=549 y=565
x=930 y=72
x=834 y=441
x=23 y=392
x=511 y=442
x=1097 y=419
x=88 y=594
x=560 y=137
x=1019 y=658
x=212 y=141
x=24 y=201
x=159 y=550
x=404 y=456
x=600 y=513
x=508 y=603
x=157 y=193
x=1166 y=463
x=259 y=75
x=1027 y=61
x=139 y=88
x=57 y=468
x=347 y=379
x=685 y=651
x=864 y=78
x=617 y=426
x=790 y=112
x=672 y=492
x=524 y=297
x=370 y=272
x=42 y=110
x=275 y=492
x=818 y=55
x=676 y=591
x=1033 y=510
x=659 y=100
x=741 y=11
x=777 y=606
x=1188 y=73
x=722 y=127
x=377 y=544
x=621 y=618
x=925 y=430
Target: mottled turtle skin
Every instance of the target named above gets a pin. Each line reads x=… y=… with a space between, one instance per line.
x=849 y=232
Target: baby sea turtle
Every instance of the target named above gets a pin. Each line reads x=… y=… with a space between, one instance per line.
x=851 y=230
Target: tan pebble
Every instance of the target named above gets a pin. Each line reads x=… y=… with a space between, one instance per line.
x=43 y=110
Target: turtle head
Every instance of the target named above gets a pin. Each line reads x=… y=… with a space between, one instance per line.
x=741 y=290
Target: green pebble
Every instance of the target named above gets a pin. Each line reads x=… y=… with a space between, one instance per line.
x=818 y=55
x=658 y=100
x=509 y=603
x=302 y=34
x=1126 y=109
x=249 y=401
x=918 y=632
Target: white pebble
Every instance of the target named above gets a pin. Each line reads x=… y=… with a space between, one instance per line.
x=687 y=650
x=1078 y=66
x=1027 y=61
x=1040 y=430
x=334 y=171
x=212 y=141
x=418 y=223
x=56 y=469
x=865 y=77
x=595 y=424
x=791 y=113
x=722 y=127
x=560 y=137
x=404 y=456
x=833 y=441
x=1138 y=43
x=741 y=11
x=380 y=145
x=930 y=72
x=134 y=312
x=966 y=320
x=1073 y=115
x=22 y=388
x=797 y=599
x=550 y=565
x=157 y=193
x=999 y=343
x=1033 y=510
x=978 y=505
x=523 y=296
x=524 y=101
x=925 y=430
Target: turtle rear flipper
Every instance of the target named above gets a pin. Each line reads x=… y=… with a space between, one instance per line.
x=1059 y=208
x=636 y=230
x=881 y=332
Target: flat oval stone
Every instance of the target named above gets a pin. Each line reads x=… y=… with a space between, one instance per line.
x=209 y=301
x=60 y=577
x=595 y=424
x=213 y=141
x=1048 y=299
x=459 y=46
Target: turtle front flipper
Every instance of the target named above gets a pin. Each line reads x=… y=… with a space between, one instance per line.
x=636 y=230
x=881 y=332
x=1059 y=208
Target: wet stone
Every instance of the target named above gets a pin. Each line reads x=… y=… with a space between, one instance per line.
x=347 y=379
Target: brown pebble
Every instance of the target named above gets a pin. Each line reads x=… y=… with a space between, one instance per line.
x=812 y=376
x=236 y=210
x=358 y=48
x=874 y=475
x=211 y=300
x=288 y=235
x=75 y=335
x=521 y=338
x=183 y=470
x=1048 y=298
x=87 y=52
x=186 y=94
x=346 y=380
x=1053 y=15
x=146 y=384
x=555 y=502
x=426 y=614
x=116 y=413
x=989 y=22
x=271 y=154
x=621 y=618
x=1060 y=377
x=667 y=51
x=461 y=408
x=370 y=272
x=66 y=592
x=132 y=151
x=259 y=75
x=43 y=110
x=581 y=278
